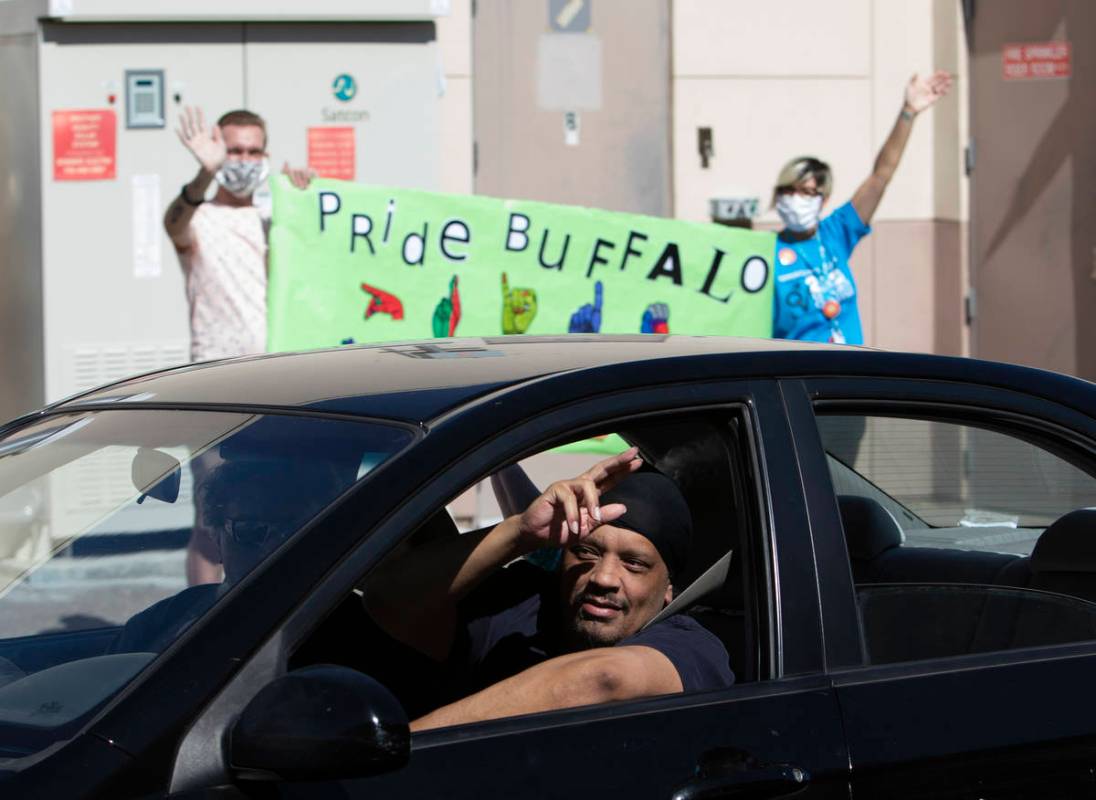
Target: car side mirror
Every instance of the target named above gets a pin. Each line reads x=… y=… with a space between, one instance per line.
x=320 y=723
x=156 y=474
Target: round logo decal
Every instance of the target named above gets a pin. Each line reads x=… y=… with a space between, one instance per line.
x=787 y=256
x=344 y=87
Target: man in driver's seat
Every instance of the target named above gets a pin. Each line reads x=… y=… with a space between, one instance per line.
x=520 y=639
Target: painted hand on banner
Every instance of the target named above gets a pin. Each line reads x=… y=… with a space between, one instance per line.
x=924 y=90
x=519 y=306
x=447 y=312
x=381 y=302
x=205 y=144
x=656 y=319
x=588 y=318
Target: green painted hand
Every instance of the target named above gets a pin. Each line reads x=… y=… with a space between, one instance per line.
x=519 y=306
x=447 y=312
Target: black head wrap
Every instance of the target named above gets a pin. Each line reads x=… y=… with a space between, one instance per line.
x=658 y=511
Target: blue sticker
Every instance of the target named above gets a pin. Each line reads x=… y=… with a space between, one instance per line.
x=344 y=87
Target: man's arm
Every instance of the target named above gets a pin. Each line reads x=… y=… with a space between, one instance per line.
x=180 y=212
x=576 y=679
x=921 y=92
x=414 y=598
x=208 y=147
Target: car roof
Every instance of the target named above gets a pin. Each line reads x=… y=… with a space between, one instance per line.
x=421 y=380
x=440 y=373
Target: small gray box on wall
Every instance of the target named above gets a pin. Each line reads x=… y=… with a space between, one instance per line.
x=144 y=98
x=569 y=72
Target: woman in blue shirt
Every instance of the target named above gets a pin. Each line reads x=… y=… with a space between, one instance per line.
x=815 y=293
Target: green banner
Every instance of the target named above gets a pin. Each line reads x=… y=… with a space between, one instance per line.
x=350 y=262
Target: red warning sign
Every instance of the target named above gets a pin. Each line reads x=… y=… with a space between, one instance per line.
x=1021 y=62
x=84 y=145
x=331 y=152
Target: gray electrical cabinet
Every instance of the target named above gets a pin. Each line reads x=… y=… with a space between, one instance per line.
x=90 y=92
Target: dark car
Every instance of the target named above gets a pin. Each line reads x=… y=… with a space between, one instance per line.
x=897 y=551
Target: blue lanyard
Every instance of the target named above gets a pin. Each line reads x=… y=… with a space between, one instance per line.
x=823 y=272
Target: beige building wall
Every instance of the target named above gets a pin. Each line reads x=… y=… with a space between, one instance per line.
x=802 y=77
x=455 y=48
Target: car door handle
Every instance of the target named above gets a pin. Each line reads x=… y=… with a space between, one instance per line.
x=771 y=780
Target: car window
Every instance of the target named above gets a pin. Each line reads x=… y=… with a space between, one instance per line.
x=961 y=539
x=102 y=513
x=512 y=619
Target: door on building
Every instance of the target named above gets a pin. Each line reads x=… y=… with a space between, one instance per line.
x=1033 y=121
x=572 y=102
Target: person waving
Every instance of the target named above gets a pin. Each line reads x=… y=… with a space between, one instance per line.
x=815 y=297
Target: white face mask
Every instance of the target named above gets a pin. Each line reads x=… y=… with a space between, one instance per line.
x=799 y=211
x=241 y=177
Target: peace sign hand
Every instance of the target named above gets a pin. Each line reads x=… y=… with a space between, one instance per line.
x=568 y=510
x=206 y=144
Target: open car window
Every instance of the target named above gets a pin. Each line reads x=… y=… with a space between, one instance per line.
x=962 y=539
x=706 y=457
x=101 y=513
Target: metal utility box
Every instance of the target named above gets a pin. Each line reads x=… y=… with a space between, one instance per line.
x=91 y=90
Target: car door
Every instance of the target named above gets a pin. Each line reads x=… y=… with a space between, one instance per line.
x=767 y=738
x=951 y=700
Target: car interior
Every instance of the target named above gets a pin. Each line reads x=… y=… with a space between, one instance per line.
x=706 y=456
x=1012 y=572
x=925 y=602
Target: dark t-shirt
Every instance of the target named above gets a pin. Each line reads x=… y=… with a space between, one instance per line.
x=152 y=630
x=507 y=628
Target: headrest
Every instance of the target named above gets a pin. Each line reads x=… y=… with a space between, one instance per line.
x=869 y=528
x=1068 y=545
x=439 y=526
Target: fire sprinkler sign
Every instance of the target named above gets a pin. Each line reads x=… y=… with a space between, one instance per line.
x=84 y=145
x=1020 y=62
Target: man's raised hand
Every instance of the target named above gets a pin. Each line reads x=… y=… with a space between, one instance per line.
x=610 y=471
x=300 y=177
x=206 y=144
x=568 y=510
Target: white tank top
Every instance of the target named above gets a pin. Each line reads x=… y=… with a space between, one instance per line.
x=225 y=271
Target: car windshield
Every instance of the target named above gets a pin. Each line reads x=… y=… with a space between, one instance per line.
x=120 y=528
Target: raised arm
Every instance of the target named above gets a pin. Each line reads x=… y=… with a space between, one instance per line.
x=593 y=676
x=414 y=597
x=921 y=92
x=208 y=147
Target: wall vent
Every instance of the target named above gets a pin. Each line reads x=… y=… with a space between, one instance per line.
x=93 y=365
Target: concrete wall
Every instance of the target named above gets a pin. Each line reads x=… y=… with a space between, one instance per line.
x=614 y=76
x=801 y=77
x=455 y=47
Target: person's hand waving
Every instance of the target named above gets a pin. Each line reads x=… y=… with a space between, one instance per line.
x=568 y=510
x=207 y=144
x=301 y=177
x=924 y=90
